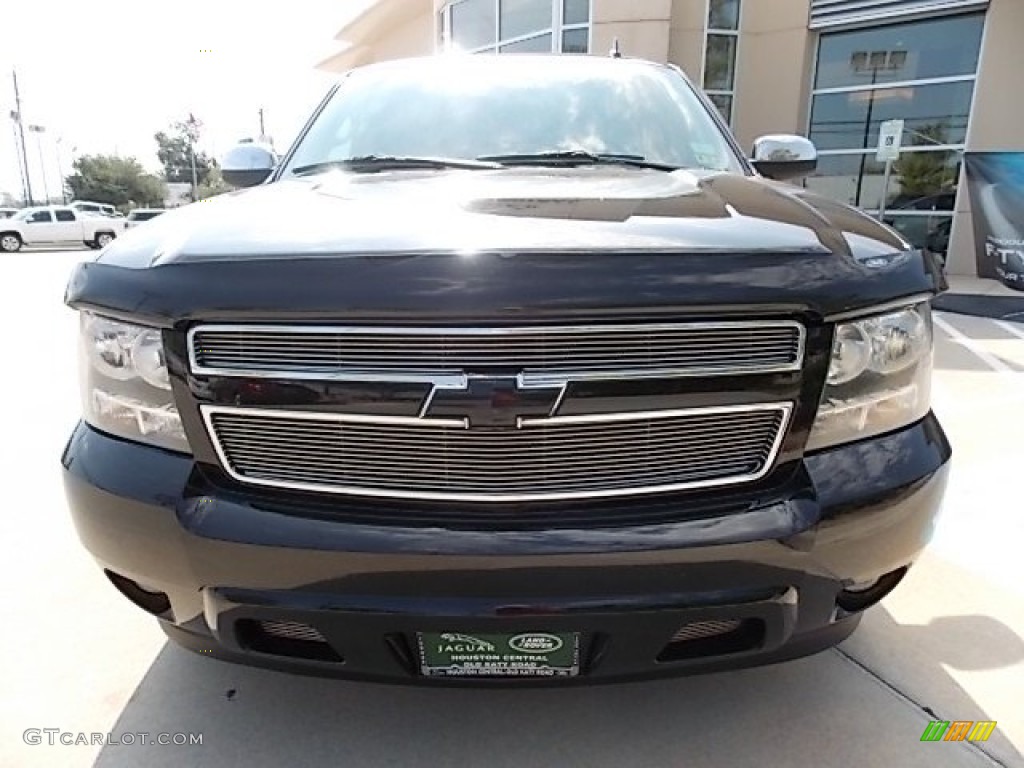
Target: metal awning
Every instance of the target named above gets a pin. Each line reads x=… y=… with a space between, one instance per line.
x=834 y=13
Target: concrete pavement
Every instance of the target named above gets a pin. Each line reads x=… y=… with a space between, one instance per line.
x=948 y=644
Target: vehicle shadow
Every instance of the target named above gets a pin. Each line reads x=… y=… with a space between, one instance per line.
x=825 y=710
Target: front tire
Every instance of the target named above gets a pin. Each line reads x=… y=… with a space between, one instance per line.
x=103 y=239
x=10 y=242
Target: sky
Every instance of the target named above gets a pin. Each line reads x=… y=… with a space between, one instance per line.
x=104 y=76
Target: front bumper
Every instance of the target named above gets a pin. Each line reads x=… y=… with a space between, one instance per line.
x=219 y=567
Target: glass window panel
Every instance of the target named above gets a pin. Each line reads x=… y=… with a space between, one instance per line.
x=539 y=44
x=921 y=181
x=724 y=104
x=473 y=24
x=576 y=12
x=914 y=51
x=720 y=64
x=521 y=17
x=576 y=41
x=931 y=232
x=724 y=14
x=851 y=120
x=836 y=177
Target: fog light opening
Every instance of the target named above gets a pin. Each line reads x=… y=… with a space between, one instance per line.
x=156 y=603
x=853 y=600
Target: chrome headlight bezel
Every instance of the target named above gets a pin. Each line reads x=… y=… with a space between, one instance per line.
x=125 y=383
x=879 y=377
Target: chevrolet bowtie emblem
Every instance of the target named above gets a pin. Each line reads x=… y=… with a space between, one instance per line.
x=487 y=401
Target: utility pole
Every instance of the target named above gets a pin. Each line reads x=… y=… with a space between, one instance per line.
x=60 y=172
x=21 y=140
x=195 y=179
x=39 y=130
x=192 y=130
x=17 y=155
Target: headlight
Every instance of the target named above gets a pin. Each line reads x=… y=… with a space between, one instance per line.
x=126 y=389
x=879 y=378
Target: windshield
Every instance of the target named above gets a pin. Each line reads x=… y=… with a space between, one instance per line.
x=481 y=106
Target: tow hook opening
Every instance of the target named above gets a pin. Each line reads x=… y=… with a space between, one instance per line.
x=856 y=600
x=156 y=603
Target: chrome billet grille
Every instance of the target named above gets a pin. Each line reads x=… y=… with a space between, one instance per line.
x=619 y=351
x=567 y=457
x=699 y=630
x=292 y=630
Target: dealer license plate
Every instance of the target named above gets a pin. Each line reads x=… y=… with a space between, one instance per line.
x=523 y=654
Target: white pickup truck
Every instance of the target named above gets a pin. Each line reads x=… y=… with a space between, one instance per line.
x=57 y=225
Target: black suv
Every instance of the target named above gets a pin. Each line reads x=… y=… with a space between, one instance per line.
x=512 y=369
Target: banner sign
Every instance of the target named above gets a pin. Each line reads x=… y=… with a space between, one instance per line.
x=995 y=181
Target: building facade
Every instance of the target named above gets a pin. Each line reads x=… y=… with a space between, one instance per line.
x=833 y=70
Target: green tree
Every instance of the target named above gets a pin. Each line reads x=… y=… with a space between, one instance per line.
x=173 y=153
x=925 y=173
x=213 y=185
x=116 y=181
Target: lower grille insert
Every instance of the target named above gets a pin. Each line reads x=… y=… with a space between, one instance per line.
x=701 y=629
x=713 y=638
x=285 y=638
x=292 y=630
x=544 y=459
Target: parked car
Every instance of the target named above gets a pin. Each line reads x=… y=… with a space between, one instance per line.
x=6 y=213
x=84 y=206
x=57 y=225
x=910 y=216
x=139 y=215
x=454 y=394
x=939 y=201
x=938 y=240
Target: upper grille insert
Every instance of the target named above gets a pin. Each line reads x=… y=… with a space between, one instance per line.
x=615 y=351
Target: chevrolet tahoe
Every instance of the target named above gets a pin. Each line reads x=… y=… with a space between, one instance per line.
x=58 y=226
x=513 y=370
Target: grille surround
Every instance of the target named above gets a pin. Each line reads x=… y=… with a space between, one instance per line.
x=301 y=449
x=538 y=354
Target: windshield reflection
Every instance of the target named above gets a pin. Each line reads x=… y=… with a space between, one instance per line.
x=472 y=107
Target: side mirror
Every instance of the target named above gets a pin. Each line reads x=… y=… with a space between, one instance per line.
x=783 y=157
x=248 y=165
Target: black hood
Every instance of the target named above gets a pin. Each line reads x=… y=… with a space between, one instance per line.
x=710 y=237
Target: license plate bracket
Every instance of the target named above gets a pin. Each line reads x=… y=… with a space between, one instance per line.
x=488 y=654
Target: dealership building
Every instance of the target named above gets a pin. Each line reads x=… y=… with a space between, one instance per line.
x=833 y=70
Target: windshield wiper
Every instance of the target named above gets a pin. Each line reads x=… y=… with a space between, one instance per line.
x=570 y=157
x=372 y=163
